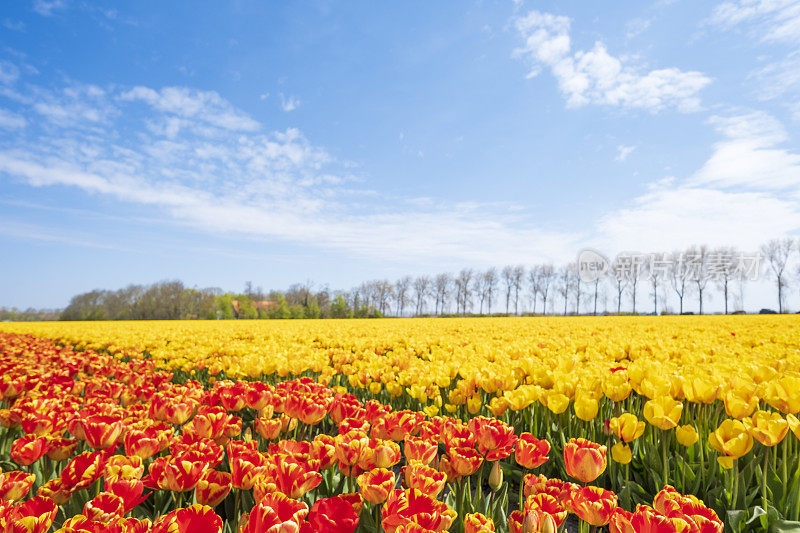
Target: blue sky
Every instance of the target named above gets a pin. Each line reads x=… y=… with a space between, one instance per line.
x=337 y=142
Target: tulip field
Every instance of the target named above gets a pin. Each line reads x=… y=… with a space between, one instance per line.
x=620 y=424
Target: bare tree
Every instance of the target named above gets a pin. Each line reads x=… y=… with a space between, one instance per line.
x=596 y=293
x=489 y=287
x=463 y=290
x=401 y=288
x=517 y=276
x=564 y=285
x=722 y=269
x=658 y=268
x=508 y=280
x=534 y=285
x=697 y=262
x=678 y=276
x=619 y=279
x=441 y=285
x=546 y=277
x=421 y=291
x=777 y=253
x=627 y=269
x=383 y=292
x=575 y=286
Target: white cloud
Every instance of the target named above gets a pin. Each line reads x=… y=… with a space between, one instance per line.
x=289 y=103
x=47 y=8
x=770 y=20
x=675 y=217
x=746 y=192
x=9 y=73
x=597 y=77
x=637 y=26
x=750 y=156
x=14 y=25
x=206 y=106
x=778 y=78
x=76 y=105
x=175 y=156
x=170 y=158
x=623 y=152
x=11 y=120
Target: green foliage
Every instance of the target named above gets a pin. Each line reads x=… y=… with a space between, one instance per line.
x=339 y=308
x=313 y=310
x=281 y=311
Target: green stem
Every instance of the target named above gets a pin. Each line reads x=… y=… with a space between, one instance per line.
x=785 y=479
x=796 y=510
x=479 y=486
x=377 y=515
x=665 y=471
x=735 y=491
x=764 y=479
x=236 y=504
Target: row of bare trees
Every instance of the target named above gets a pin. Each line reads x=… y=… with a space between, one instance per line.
x=694 y=273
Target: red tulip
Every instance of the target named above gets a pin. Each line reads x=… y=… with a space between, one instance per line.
x=141 y=444
x=15 y=485
x=213 y=487
x=32 y=516
x=420 y=450
x=425 y=479
x=376 y=484
x=55 y=491
x=331 y=515
x=105 y=507
x=194 y=519
x=268 y=428
x=585 y=460
x=101 y=431
x=465 y=461
x=28 y=449
x=593 y=505
x=531 y=452
x=274 y=509
x=130 y=490
x=404 y=508
x=61 y=448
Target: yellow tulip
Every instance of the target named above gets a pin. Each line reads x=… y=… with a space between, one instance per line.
x=586 y=408
x=687 y=435
x=617 y=387
x=783 y=394
x=766 y=427
x=627 y=427
x=794 y=425
x=498 y=406
x=621 y=453
x=732 y=440
x=474 y=405
x=557 y=402
x=738 y=406
x=663 y=412
x=700 y=390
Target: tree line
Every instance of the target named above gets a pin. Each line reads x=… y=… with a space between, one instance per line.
x=632 y=283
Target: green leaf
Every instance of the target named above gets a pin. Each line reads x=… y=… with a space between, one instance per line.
x=784 y=526
x=736 y=519
x=366 y=522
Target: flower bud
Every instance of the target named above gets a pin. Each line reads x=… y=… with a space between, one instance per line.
x=496 y=476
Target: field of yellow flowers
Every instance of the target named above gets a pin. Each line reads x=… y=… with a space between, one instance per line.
x=631 y=424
